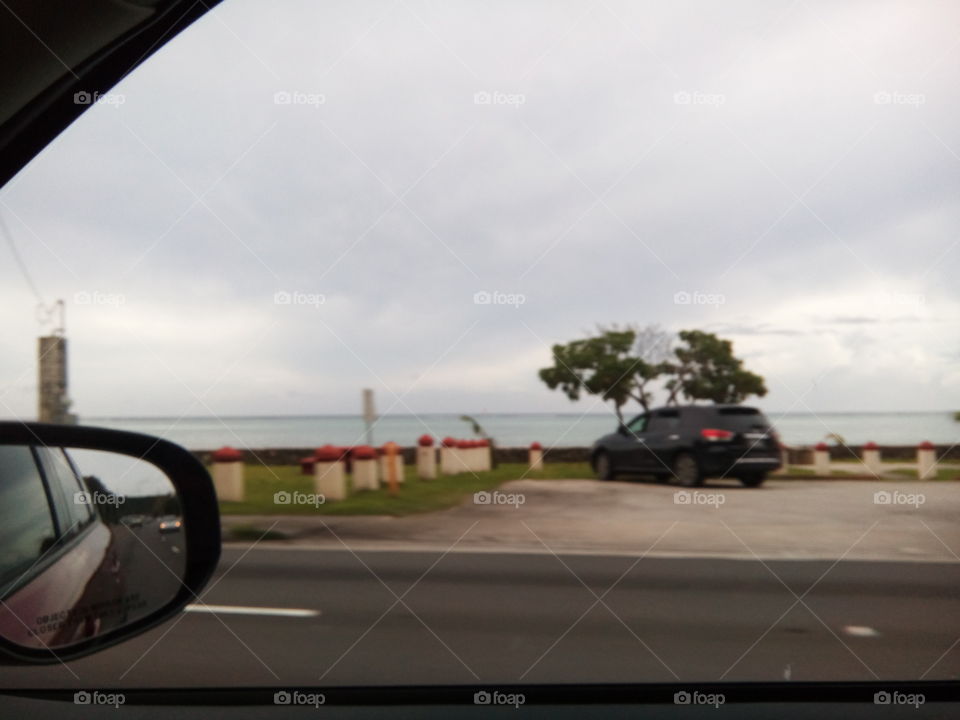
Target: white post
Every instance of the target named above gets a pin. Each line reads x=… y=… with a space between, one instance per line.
x=536 y=456
x=329 y=478
x=871 y=458
x=448 y=457
x=926 y=460
x=365 y=468
x=821 y=459
x=486 y=456
x=228 y=474
x=426 y=458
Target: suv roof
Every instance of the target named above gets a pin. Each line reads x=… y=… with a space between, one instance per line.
x=722 y=409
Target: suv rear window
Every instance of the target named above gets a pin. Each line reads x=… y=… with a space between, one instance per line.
x=742 y=419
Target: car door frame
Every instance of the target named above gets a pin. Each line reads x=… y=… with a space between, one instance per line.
x=631 y=448
x=661 y=442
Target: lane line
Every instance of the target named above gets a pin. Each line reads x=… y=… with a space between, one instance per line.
x=249 y=610
x=860 y=631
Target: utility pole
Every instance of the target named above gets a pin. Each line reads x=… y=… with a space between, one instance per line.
x=53 y=402
x=53 y=398
x=369 y=414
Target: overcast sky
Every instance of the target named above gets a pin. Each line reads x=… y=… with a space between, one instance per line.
x=786 y=174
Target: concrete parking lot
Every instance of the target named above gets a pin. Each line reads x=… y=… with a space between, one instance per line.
x=785 y=519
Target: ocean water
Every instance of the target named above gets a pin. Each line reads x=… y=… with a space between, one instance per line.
x=510 y=430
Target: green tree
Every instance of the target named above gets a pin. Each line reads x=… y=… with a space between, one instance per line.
x=620 y=364
x=705 y=368
x=602 y=365
x=653 y=345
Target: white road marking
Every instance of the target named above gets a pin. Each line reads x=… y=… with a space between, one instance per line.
x=246 y=610
x=860 y=631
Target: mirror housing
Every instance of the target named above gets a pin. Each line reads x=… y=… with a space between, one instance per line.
x=198 y=515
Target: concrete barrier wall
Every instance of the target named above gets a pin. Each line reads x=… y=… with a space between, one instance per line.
x=292 y=456
x=797 y=455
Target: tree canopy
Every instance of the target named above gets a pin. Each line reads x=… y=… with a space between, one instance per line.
x=620 y=364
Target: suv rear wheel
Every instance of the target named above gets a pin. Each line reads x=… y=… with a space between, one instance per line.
x=687 y=470
x=754 y=480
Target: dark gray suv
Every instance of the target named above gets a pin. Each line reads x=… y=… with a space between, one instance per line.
x=691 y=443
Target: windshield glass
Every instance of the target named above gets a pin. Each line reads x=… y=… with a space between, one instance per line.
x=489 y=235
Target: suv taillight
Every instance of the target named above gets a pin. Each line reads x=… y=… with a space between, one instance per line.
x=713 y=434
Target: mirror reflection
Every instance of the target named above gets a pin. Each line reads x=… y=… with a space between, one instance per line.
x=89 y=541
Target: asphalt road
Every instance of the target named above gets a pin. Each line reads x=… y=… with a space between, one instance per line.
x=506 y=618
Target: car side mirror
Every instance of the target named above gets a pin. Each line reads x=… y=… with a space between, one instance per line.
x=103 y=535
